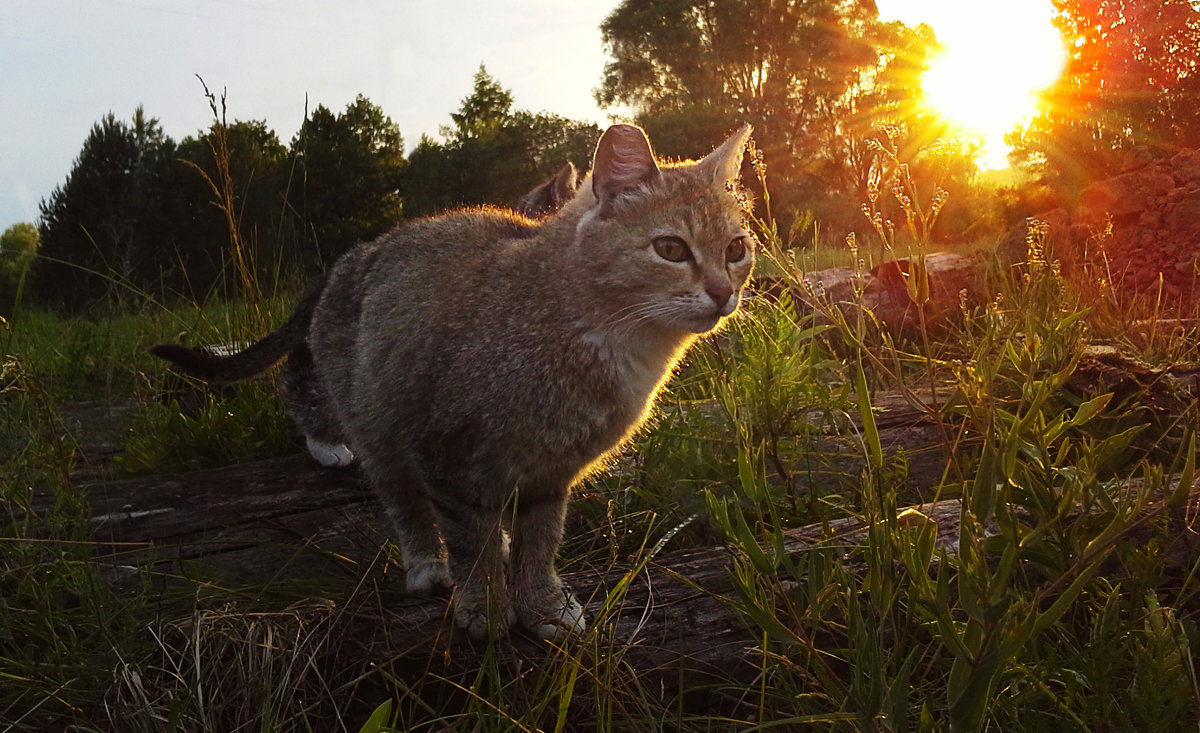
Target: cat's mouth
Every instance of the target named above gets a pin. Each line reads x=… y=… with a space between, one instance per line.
x=703 y=323
x=705 y=320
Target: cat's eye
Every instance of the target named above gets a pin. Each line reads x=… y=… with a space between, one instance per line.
x=736 y=250
x=672 y=249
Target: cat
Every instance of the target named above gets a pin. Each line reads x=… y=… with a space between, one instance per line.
x=480 y=363
x=550 y=196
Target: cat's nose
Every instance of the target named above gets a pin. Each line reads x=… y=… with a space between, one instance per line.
x=720 y=293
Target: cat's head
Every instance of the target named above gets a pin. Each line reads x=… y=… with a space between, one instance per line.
x=667 y=242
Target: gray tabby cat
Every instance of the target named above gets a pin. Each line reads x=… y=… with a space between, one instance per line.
x=550 y=196
x=478 y=364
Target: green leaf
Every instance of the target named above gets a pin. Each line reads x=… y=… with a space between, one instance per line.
x=1187 y=476
x=1069 y=595
x=870 y=429
x=1091 y=408
x=983 y=488
x=999 y=584
x=1110 y=453
x=748 y=477
x=942 y=609
x=378 y=722
x=564 y=699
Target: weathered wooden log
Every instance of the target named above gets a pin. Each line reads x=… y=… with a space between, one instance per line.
x=287 y=518
x=286 y=528
x=887 y=290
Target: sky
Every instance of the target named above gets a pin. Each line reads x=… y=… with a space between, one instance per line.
x=64 y=64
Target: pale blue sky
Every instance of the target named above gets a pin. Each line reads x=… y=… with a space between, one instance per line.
x=66 y=63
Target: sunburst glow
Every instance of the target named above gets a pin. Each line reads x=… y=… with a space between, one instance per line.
x=996 y=58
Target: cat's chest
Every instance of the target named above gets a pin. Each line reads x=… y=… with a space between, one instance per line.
x=631 y=368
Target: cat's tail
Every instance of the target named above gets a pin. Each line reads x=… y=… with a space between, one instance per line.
x=212 y=365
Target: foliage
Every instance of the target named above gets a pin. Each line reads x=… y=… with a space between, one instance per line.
x=769 y=381
x=1131 y=79
x=492 y=154
x=815 y=78
x=61 y=623
x=143 y=218
x=103 y=228
x=18 y=248
x=1007 y=623
x=231 y=196
x=778 y=71
x=349 y=169
x=243 y=424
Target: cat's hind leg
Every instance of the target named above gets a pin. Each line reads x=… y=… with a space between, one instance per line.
x=309 y=407
x=543 y=604
x=405 y=498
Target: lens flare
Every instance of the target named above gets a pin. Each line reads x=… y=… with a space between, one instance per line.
x=995 y=59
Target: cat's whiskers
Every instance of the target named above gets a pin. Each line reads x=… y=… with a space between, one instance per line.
x=627 y=320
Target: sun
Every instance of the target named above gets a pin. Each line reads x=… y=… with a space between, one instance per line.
x=995 y=60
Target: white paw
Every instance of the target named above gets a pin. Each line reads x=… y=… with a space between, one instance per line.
x=423 y=577
x=330 y=455
x=562 y=620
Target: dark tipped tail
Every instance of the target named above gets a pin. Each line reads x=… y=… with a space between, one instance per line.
x=212 y=366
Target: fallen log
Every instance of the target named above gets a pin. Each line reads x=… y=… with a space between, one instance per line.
x=887 y=290
x=285 y=531
x=287 y=518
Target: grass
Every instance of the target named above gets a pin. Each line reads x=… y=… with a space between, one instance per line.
x=1066 y=598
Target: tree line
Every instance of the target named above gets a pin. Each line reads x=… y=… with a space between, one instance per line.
x=143 y=215
x=820 y=79
x=824 y=82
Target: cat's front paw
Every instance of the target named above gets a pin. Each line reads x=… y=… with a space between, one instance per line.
x=558 y=616
x=330 y=455
x=427 y=576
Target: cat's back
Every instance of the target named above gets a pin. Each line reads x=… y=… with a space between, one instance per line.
x=457 y=234
x=432 y=259
x=455 y=255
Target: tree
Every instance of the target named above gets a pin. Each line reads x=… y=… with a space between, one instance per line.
x=249 y=155
x=141 y=215
x=814 y=77
x=349 y=172
x=484 y=113
x=775 y=64
x=493 y=154
x=18 y=248
x=1132 y=78
x=95 y=232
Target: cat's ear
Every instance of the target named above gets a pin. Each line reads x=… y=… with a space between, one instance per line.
x=564 y=184
x=550 y=196
x=725 y=162
x=623 y=162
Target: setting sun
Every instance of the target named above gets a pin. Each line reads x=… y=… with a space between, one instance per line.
x=995 y=60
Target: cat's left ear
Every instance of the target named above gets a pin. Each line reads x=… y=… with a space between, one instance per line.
x=726 y=161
